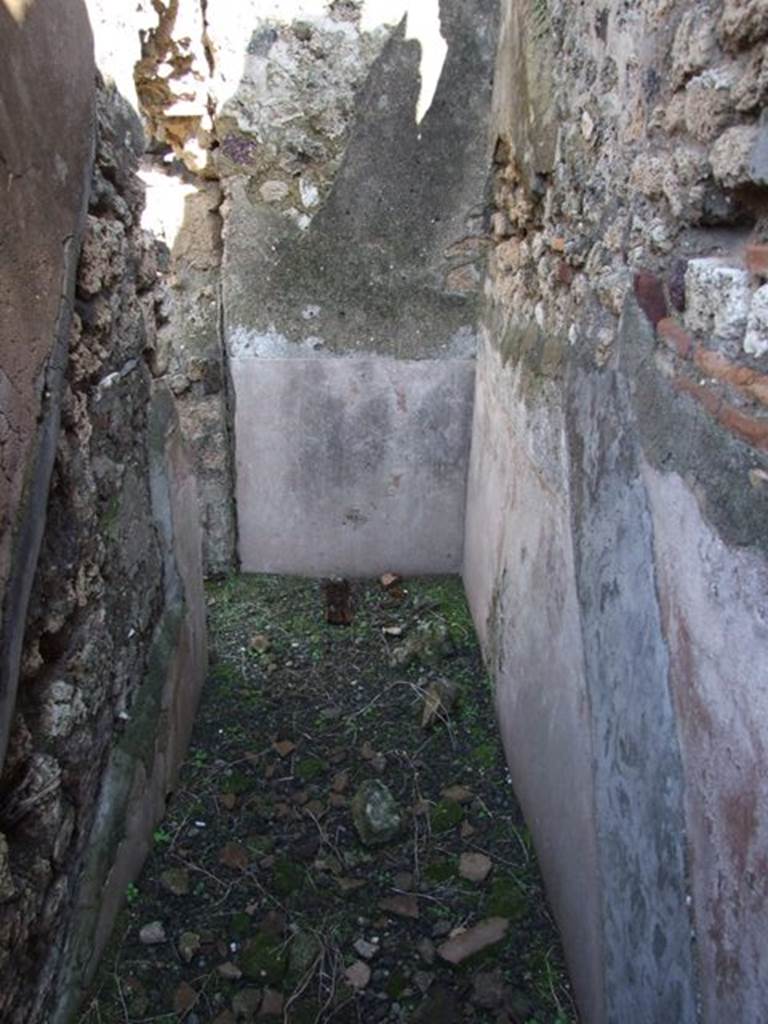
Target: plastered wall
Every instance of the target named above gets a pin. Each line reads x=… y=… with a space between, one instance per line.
x=615 y=551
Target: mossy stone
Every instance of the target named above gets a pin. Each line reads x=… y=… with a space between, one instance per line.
x=310 y=768
x=303 y=952
x=240 y=925
x=264 y=959
x=506 y=899
x=445 y=815
x=484 y=755
x=439 y=871
x=287 y=877
x=238 y=783
x=396 y=984
x=429 y=643
x=375 y=813
x=305 y=1013
x=260 y=846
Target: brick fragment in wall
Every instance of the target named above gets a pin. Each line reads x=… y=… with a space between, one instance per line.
x=565 y=273
x=750 y=382
x=757 y=260
x=649 y=292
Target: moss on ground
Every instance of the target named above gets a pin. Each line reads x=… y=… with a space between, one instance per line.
x=295 y=716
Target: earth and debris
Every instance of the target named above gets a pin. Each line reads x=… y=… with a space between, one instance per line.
x=344 y=843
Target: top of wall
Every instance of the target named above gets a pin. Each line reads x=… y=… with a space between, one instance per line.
x=368 y=234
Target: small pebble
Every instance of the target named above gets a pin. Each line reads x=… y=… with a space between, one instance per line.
x=358 y=975
x=475 y=867
x=423 y=980
x=152 y=934
x=367 y=950
x=426 y=950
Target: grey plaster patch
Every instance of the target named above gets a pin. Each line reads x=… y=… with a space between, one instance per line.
x=351 y=466
x=649 y=966
x=524 y=99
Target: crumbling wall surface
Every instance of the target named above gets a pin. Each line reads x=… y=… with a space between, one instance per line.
x=157 y=56
x=188 y=350
x=616 y=531
x=45 y=157
x=114 y=650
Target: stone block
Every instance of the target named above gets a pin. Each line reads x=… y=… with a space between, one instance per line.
x=717 y=299
x=732 y=156
x=693 y=46
x=708 y=105
x=756 y=338
x=743 y=22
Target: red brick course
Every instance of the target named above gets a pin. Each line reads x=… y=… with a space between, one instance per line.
x=675 y=336
x=747 y=428
x=750 y=382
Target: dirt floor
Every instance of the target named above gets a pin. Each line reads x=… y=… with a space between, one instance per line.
x=261 y=899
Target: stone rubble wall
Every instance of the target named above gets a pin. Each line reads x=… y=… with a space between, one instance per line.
x=157 y=56
x=114 y=648
x=189 y=353
x=616 y=530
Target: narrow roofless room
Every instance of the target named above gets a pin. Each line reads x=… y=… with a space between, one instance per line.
x=383 y=535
